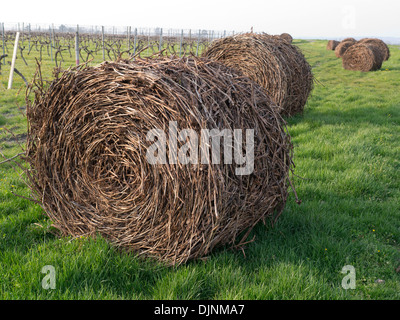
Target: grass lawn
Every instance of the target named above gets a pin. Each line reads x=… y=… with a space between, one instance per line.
x=347 y=156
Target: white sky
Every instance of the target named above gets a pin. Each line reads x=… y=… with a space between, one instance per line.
x=306 y=18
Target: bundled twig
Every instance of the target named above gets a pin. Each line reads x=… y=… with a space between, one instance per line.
x=276 y=65
x=87 y=143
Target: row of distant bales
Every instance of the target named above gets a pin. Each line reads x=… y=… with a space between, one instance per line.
x=367 y=54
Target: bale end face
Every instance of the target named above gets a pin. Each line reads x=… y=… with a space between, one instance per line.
x=362 y=57
x=88 y=145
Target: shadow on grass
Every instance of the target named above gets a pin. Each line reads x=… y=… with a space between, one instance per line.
x=315 y=238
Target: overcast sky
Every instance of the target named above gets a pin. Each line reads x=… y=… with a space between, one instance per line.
x=307 y=18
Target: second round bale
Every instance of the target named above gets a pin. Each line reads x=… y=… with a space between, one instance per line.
x=275 y=64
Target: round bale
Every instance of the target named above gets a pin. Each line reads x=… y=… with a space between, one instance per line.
x=118 y=150
x=278 y=66
x=362 y=57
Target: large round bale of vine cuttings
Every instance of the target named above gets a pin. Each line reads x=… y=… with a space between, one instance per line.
x=167 y=157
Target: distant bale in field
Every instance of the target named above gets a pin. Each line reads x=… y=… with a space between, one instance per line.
x=332 y=44
x=362 y=57
x=349 y=39
x=342 y=47
x=287 y=37
x=382 y=46
x=88 y=144
x=276 y=65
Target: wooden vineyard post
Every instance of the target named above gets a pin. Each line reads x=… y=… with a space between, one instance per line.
x=129 y=38
x=180 y=44
x=148 y=42
x=14 y=57
x=51 y=31
x=102 y=42
x=51 y=47
x=134 y=42
x=190 y=40
x=160 y=47
x=29 y=37
x=198 y=41
x=77 y=45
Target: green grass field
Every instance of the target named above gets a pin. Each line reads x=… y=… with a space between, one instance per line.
x=347 y=156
